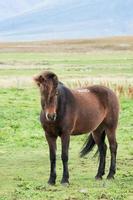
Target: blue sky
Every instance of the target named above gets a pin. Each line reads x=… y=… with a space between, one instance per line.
x=64 y=19
x=9 y=8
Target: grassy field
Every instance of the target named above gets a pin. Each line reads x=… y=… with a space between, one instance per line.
x=24 y=160
x=17 y=69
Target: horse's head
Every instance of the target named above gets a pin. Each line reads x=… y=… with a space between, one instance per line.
x=48 y=82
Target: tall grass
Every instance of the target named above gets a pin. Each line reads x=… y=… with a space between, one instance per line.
x=118 y=88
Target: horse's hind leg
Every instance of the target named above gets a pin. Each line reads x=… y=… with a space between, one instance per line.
x=113 y=150
x=99 y=137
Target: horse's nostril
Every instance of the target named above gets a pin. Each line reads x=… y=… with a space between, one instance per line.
x=51 y=117
x=54 y=116
x=48 y=116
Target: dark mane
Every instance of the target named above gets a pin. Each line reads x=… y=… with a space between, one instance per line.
x=65 y=96
x=48 y=74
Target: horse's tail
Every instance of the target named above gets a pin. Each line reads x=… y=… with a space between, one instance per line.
x=88 y=146
x=90 y=143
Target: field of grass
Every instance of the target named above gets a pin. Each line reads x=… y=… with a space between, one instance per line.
x=17 y=69
x=24 y=163
x=24 y=159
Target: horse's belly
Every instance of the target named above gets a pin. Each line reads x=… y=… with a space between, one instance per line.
x=87 y=123
x=82 y=130
x=77 y=132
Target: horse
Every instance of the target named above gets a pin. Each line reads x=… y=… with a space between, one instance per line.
x=66 y=112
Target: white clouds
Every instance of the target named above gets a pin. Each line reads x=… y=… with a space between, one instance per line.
x=10 y=8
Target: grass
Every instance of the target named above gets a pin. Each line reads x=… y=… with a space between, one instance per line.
x=24 y=157
x=114 y=60
x=18 y=68
x=24 y=165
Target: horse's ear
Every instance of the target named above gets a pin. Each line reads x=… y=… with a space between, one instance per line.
x=53 y=77
x=38 y=79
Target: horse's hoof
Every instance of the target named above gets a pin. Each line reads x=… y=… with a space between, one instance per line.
x=51 y=182
x=98 y=178
x=64 y=182
x=110 y=177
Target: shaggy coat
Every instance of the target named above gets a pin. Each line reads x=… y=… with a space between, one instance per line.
x=67 y=112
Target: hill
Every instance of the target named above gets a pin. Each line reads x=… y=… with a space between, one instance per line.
x=70 y=19
x=71 y=46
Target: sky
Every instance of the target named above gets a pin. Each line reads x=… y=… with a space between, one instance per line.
x=64 y=19
x=10 y=8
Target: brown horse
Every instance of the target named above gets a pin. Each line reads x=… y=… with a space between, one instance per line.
x=68 y=112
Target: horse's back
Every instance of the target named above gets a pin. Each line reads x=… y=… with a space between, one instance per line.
x=105 y=99
x=88 y=111
x=104 y=94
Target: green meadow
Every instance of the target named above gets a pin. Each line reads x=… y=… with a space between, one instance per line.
x=24 y=156
x=68 y=64
x=24 y=160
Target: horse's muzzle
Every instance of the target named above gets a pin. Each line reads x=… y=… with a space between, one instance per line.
x=51 y=117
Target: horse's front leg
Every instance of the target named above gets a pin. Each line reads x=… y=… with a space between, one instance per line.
x=52 y=152
x=65 y=139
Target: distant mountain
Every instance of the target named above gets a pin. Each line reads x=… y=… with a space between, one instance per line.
x=69 y=19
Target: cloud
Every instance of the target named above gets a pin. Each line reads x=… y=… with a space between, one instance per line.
x=9 y=8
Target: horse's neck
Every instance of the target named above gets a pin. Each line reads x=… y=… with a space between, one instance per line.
x=65 y=94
